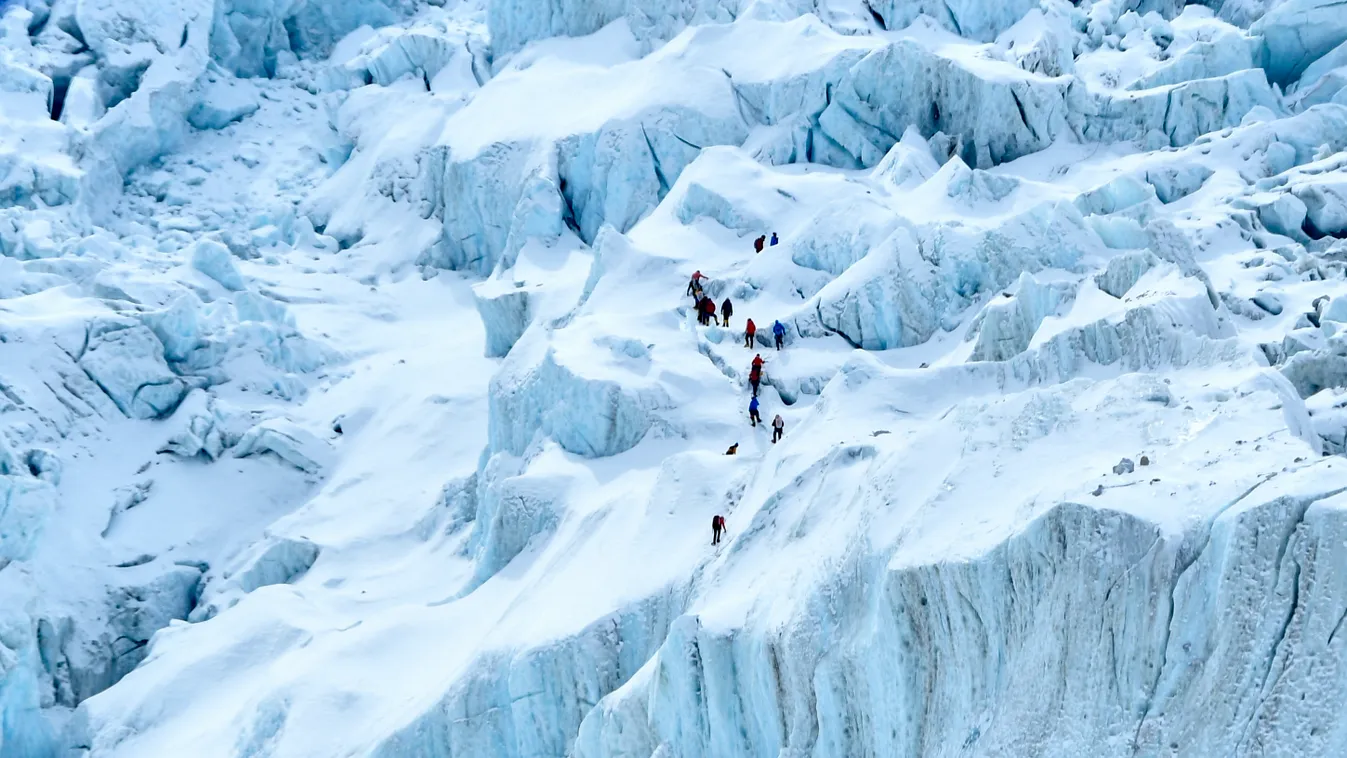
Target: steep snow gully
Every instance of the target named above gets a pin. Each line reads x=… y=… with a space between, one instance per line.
x=352 y=402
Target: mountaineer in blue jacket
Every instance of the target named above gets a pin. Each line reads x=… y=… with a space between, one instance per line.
x=753 y=411
x=779 y=331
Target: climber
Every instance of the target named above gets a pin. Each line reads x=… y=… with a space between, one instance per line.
x=774 y=240
x=696 y=282
x=709 y=308
x=734 y=449
x=780 y=332
x=757 y=363
x=701 y=312
x=778 y=428
x=717 y=526
x=757 y=243
x=726 y=310
x=753 y=412
x=754 y=379
x=749 y=331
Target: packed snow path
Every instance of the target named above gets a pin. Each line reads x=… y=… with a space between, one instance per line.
x=351 y=402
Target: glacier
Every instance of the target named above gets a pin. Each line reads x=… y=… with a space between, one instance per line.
x=353 y=399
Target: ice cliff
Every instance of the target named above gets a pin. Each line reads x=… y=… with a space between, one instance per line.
x=353 y=400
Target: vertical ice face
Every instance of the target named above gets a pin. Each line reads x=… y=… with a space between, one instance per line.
x=1297 y=33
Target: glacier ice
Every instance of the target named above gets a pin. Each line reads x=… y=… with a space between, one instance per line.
x=252 y=38
x=1296 y=33
x=967 y=18
x=1325 y=200
x=1285 y=215
x=1124 y=271
x=1006 y=326
x=841 y=233
x=215 y=261
x=905 y=289
x=86 y=654
x=254 y=443
x=514 y=23
x=1175 y=182
x=512 y=513
x=276 y=560
x=199 y=428
x=288 y=442
x=586 y=415
x=127 y=361
x=908 y=162
x=506 y=312
x=26 y=503
x=221 y=102
x=1179 y=582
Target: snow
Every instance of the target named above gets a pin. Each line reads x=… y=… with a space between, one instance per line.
x=352 y=400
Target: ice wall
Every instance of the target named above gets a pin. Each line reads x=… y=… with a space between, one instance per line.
x=944 y=653
x=533 y=702
x=514 y=23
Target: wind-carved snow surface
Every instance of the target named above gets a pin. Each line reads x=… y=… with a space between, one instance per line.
x=351 y=402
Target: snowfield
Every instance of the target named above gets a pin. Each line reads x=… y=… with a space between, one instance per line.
x=353 y=402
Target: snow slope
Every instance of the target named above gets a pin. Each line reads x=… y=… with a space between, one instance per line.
x=351 y=403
